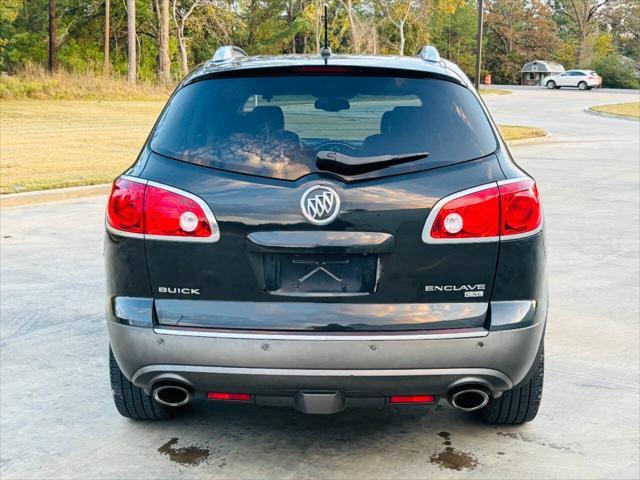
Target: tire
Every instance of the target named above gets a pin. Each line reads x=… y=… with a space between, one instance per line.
x=131 y=401
x=551 y=84
x=583 y=86
x=520 y=404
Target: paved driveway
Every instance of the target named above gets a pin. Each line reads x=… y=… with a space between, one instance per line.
x=57 y=419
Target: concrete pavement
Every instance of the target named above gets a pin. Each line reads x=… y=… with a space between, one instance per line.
x=57 y=419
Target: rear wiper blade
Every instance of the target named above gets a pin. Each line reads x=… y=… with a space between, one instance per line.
x=345 y=164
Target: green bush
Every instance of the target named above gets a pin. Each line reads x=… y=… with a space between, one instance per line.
x=616 y=72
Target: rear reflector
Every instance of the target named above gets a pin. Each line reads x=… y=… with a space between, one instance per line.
x=412 y=399
x=138 y=208
x=237 y=397
x=505 y=209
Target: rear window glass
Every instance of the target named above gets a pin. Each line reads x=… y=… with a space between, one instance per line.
x=278 y=127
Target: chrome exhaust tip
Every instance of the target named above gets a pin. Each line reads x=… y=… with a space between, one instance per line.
x=171 y=395
x=469 y=399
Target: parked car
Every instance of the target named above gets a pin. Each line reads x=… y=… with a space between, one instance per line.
x=582 y=79
x=324 y=232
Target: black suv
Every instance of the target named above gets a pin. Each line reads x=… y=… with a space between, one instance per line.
x=326 y=232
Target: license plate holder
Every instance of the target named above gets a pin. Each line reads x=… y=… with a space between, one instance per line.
x=317 y=275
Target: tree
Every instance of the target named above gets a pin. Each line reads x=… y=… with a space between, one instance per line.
x=398 y=12
x=9 y=10
x=517 y=31
x=131 y=41
x=181 y=14
x=616 y=71
x=453 y=30
x=582 y=18
x=313 y=13
x=53 y=42
x=164 y=61
x=106 y=39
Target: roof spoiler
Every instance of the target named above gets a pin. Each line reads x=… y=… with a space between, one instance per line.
x=430 y=53
x=227 y=53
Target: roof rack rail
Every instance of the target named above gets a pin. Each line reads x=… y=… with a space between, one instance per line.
x=430 y=54
x=228 y=52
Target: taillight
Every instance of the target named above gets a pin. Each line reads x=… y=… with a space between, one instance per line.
x=168 y=213
x=466 y=216
x=159 y=212
x=521 y=212
x=508 y=208
x=125 y=210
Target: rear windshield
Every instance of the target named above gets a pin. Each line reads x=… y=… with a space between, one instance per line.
x=278 y=127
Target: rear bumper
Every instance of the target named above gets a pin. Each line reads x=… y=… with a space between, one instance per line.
x=358 y=365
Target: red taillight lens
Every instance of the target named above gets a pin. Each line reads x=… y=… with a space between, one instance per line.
x=412 y=399
x=489 y=212
x=520 y=206
x=238 y=397
x=125 y=210
x=141 y=208
x=474 y=215
x=171 y=214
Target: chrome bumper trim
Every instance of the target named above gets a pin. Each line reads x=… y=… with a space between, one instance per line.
x=434 y=335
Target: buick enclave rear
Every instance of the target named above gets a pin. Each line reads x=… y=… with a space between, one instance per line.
x=325 y=234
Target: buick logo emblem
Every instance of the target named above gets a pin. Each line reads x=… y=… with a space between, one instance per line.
x=320 y=205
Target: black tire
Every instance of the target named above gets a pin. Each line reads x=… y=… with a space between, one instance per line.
x=131 y=401
x=520 y=404
x=583 y=86
x=551 y=84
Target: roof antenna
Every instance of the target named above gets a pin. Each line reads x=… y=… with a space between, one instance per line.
x=325 y=52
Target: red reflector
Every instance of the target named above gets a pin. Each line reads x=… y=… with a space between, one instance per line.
x=238 y=397
x=412 y=399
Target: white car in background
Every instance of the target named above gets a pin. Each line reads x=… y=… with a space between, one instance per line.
x=582 y=79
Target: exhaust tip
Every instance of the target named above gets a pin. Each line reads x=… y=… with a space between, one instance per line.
x=469 y=399
x=171 y=395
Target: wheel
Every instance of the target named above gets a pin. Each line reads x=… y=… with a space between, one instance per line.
x=521 y=403
x=551 y=84
x=131 y=401
x=583 y=86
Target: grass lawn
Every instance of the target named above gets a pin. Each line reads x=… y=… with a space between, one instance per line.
x=58 y=143
x=494 y=91
x=514 y=132
x=631 y=109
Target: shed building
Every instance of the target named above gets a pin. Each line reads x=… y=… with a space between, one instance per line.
x=533 y=73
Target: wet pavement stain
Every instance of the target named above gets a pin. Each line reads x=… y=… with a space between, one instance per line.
x=453 y=459
x=446 y=436
x=528 y=438
x=187 y=456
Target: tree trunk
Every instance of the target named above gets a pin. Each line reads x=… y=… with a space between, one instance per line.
x=165 y=62
x=352 y=25
x=401 y=29
x=131 y=41
x=53 y=54
x=105 y=70
x=293 y=40
x=183 y=51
